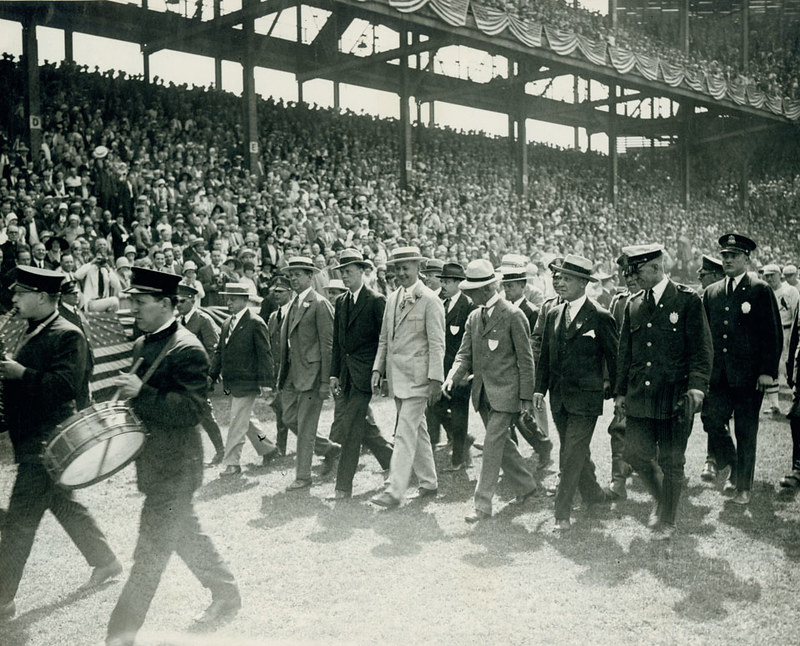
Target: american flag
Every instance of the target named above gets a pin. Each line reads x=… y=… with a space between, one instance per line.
x=111 y=337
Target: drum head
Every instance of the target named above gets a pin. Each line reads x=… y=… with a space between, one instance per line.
x=102 y=460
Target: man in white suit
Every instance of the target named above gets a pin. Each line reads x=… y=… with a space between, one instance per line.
x=411 y=356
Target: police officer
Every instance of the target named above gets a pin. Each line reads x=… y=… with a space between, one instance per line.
x=748 y=339
x=663 y=368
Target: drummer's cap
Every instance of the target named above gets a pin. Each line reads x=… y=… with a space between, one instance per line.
x=33 y=279
x=149 y=281
x=69 y=286
x=187 y=290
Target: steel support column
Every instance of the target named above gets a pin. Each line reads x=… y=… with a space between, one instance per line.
x=217 y=58
x=251 y=151
x=684 y=146
x=613 y=162
x=406 y=152
x=33 y=108
x=69 y=54
x=745 y=13
x=521 y=151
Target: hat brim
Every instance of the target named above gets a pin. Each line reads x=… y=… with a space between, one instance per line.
x=364 y=264
x=466 y=285
x=310 y=270
x=242 y=294
x=451 y=276
x=397 y=261
x=577 y=274
x=146 y=290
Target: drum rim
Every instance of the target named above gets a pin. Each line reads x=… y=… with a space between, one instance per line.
x=60 y=429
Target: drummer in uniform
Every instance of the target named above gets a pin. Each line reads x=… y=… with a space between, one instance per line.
x=168 y=393
x=42 y=381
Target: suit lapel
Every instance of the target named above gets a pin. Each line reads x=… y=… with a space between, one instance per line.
x=299 y=310
x=579 y=320
x=409 y=306
x=499 y=313
x=238 y=329
x=356 y=308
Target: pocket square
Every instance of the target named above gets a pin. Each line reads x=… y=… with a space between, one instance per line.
x=590 y=334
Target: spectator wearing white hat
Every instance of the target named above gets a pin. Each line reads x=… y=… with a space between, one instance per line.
x=190 y=279
x=788 y=299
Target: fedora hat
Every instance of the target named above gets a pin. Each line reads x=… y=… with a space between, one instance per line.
x=513 y=273
x=452 y=270
x=578 y=266
x=300 y=262
x=405 y=254
x=352 y=257
x=479 y=273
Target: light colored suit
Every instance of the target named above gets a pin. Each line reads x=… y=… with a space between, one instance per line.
x=499 y=357
x=410 y=353
x=305 y=366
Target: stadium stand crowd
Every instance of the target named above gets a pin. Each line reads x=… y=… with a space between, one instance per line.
x=149 y=166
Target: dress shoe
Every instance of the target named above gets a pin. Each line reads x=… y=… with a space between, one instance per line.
x=231 y=470
x=709 y=472
x=385 y=500
x=328 y=464
x=618 y=489
x=221 y=609
x=340 y=495
x=8 y=610
x=424 y=492
x=606 y=497
x=741 y=498
x=562 y=525
x=523 y=498
x=217 y=459
x=790 y=480
x=664 y=532
x=102 y=574
x=477 y=516
x=299 y=484
x=728 y=487
x=454 y=467
x=269 y=457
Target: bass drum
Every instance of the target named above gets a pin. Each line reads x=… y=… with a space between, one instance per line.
x=94 y=444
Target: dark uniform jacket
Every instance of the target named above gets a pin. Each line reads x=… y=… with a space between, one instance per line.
x=530 y=311
x=538 y=330
x=245 y=361
x=664 y=354
x=454 y=322
x=82 y=397
x=204 y=328
x=576 y=361
x=356 y=330
x=171 y=405
x=55 y=361
x=746 y=330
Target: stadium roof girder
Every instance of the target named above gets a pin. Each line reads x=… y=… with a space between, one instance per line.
x=356 y=62
x=132 y=23
x=227 y=21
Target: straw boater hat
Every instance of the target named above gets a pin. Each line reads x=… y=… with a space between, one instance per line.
x=479 y=273
x=336 y=285
x=578 y=266
x=514 y=260
x=352 y=257
x=405 y=254
x=433 y=266
x=239 y=289
x=301 y=262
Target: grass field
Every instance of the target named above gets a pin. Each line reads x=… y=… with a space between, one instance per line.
x=317 y=572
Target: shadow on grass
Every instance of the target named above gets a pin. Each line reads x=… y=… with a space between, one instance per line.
x=16 y=632
x=285 y=506
x=224 y=486
x=707 y=584
x=406 y=529
x=761 y=521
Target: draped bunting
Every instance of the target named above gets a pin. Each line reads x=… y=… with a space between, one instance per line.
x=494 y=21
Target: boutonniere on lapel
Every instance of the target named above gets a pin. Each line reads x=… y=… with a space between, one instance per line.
x=306 y=304
x=673 y=318
x=578 y=325
x=746 y=307
x=408 y=300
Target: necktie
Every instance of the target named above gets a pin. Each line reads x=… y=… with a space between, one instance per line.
x=651 y=301
x=101 y=283
x=230 y=332
x=279 y=316
x=484 y=315
x=446 y=305
x=730 y=287
x=183 y=321
x=567 y=316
